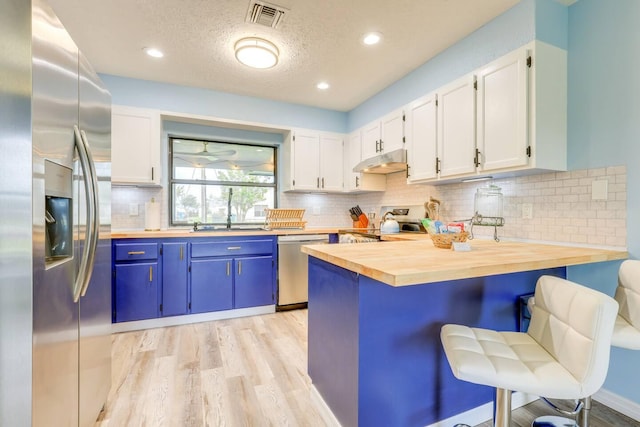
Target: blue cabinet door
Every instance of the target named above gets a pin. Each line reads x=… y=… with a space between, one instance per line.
x=174 y=278
x=136 y=291
x=211 y=285
x=254 y=281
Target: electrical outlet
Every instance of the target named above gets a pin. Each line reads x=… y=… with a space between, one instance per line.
x=133 y=209
x=527 y=211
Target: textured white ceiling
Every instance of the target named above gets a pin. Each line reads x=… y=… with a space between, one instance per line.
x=318 y=40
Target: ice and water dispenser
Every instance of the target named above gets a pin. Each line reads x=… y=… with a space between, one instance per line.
x=58 y=191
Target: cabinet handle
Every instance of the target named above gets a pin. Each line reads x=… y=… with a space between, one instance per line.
x=377 y=145
x=381 y=145
x=476 y=159
x=150 y=274
x=437 y=165
x=181 y=253
x=239 y=268
x=136 y=252
x=233 y=248
x=318 y=182
x=152 y=174
x=408 y=167
x=322 y=182
x=228 y=268
x=357 y=181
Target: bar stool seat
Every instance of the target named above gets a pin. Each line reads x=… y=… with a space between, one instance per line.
x=626 y=333
x=564 y=354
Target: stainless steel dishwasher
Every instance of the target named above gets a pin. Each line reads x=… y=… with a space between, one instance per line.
x=293 y=269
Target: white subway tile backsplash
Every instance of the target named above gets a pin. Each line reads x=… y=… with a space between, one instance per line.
x=562 y=207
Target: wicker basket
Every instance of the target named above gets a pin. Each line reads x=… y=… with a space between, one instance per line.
x=445 y=240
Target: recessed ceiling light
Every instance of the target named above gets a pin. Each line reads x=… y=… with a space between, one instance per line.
x=151 y=51
x=256 y=53
x=323 y=85
x=371 y=38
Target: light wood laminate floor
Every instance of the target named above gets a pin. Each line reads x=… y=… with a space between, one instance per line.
x=249 y=371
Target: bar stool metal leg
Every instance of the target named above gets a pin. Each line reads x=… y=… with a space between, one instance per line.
x=502 y=408
x=583 y=416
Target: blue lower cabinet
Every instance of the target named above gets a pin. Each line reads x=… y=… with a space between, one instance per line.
x=174 y=279
x=136 y=291
x=211 y=285
x=253 y=281
x=180 y=276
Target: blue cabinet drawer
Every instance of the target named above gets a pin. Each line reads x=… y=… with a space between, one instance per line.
x=136 y=251
x=231 y=248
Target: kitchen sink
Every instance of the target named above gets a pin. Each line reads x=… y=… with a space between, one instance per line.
x=206 y=228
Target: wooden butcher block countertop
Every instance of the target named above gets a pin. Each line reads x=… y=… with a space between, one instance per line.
x=414 y=262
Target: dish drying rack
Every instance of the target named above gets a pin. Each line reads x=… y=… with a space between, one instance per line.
x=284 y=218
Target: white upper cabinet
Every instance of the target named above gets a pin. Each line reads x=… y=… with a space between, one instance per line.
x=331 y=162
x=457 y=127
x=315 y=161
x=357 y=181
x=421 y=138
x=135 y=146
x=502 y=112
x=306 y=160
x=383 y=135
x=506 y=117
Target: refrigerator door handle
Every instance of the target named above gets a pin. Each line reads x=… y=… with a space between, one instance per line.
x=83 y=276
x=95 y=223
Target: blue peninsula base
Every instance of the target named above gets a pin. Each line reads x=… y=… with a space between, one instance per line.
x=375 y=354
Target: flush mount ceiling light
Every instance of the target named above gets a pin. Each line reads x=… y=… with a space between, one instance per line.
x=256 y=53
x=323 y=85
x=372 y=38
x=151 y=51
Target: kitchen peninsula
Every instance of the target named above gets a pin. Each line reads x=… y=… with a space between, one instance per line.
x=375 y=313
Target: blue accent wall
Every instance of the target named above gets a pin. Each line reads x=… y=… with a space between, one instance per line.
x=206 y=102
x=604 y=130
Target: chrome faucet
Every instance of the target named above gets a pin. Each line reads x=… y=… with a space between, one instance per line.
x=229 y=208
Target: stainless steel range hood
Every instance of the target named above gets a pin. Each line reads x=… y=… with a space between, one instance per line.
x=393 y=161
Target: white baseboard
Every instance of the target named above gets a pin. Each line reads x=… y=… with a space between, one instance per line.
x=483 y=413
x=190 y=318
x=618 y=403
x=329 y=419
x=472 y=417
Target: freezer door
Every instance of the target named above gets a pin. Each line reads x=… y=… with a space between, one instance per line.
x=55 y=316
x=95 y=303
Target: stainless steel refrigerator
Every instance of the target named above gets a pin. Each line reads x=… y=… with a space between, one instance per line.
x=55 y=215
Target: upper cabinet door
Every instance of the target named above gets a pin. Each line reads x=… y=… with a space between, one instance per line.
x=135 y=146
x=392 y=131
x=331 y=162
x=456 y=127
x=421 y=134
x=306 y=164
x=502 y=112
x=371 y=140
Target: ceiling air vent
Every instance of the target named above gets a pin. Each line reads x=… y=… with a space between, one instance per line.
x=266 y=14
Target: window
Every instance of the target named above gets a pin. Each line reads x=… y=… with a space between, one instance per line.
x=220 y=183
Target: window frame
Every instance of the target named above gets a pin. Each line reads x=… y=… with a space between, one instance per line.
x=203 y=182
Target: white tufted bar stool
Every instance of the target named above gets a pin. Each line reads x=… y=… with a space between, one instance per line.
x=626 y=331
x=564 y=354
